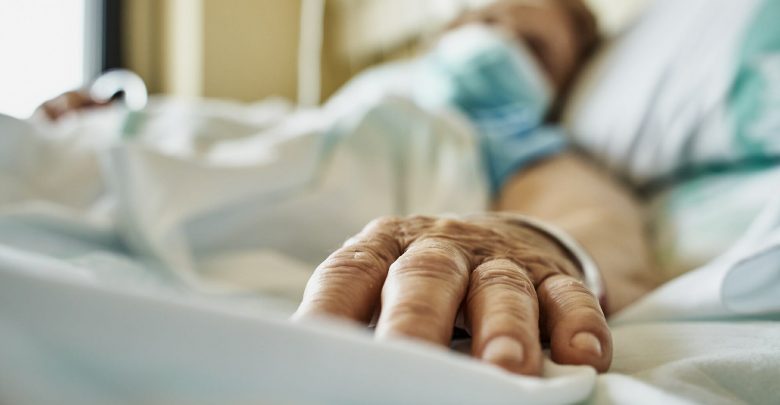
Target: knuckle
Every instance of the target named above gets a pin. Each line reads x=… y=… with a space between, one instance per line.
x=502 y=274
x=568 y=294
x=454 y=229
x=382 y=246
x=431 y=260
x=354 y=262
x=507 y=314
x=449 y=224
x=569 y=286
x=386 y=226
x=383 y=223
x=419 y=218
x=410 y=228
x=413 y=309
x=416 y=318
x=351 y=241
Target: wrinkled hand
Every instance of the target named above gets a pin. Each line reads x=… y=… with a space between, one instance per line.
x=71 y=101
x=513 y=284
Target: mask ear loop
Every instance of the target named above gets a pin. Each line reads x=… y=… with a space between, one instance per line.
x=310 y=52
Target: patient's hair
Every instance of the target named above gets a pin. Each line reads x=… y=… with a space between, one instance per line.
x=586 y=25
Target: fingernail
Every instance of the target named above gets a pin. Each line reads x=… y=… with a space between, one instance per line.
x=504 y=351
x=587 y=342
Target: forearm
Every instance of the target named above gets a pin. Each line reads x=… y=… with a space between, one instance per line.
x=574 y=195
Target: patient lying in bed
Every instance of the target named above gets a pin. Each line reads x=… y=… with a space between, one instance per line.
x=525 y=275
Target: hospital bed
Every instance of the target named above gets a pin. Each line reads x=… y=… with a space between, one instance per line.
x=117 y=288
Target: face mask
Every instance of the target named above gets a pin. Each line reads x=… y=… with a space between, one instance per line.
x=485 y=73
x=503 y=91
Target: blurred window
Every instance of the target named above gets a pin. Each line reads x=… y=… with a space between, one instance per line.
x=46 y=47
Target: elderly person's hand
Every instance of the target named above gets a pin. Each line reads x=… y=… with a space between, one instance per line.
x=71 y=101
x=514 y=285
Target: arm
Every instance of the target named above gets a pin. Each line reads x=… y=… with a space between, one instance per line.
x=574 y=195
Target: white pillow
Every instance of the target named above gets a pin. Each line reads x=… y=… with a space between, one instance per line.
x=615 y=15
x=654 y=98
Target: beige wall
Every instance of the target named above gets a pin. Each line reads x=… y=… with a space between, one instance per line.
x=250 y=48
x=239 y=49
x=247 y=49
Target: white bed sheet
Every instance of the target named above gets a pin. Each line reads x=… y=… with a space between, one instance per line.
x=67 y=337
x=86 y=317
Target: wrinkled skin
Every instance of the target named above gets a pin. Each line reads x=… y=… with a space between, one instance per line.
x=512 y=283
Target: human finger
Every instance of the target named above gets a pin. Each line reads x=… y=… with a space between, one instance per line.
x=423 y=291
x=502 y=313
x=348 y=283
x=575 y=323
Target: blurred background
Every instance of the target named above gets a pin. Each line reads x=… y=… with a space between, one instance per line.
x=245 y=50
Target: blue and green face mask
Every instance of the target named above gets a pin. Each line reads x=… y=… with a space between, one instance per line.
x=500 y=87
